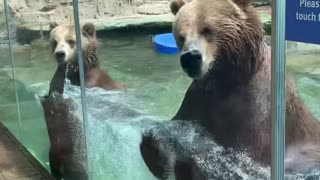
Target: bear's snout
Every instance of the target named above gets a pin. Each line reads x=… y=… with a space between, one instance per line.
x=191 y=62
x=60 y=56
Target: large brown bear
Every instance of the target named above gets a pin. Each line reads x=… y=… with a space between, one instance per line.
x=64 y=48
x=65 y=160
x=224 y=51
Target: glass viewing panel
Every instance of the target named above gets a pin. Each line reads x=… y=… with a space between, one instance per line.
x=39 y=121
x=8 y=110
x=303 y=47
x=180 y=91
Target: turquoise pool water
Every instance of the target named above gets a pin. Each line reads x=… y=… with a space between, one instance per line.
x=155 y=80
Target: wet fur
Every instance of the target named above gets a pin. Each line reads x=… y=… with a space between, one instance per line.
x=64 y=163
x=65 y=160
x=94 y=75
x=233 y=99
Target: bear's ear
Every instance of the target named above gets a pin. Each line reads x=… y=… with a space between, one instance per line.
x=243 y=3
x=52 y=25
x=175 y=5
x=89 y=29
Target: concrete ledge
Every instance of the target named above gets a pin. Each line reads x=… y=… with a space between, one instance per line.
x=152 y=23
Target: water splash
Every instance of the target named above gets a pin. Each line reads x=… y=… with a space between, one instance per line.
x=181 y=141
x=117 y=120
x=66 y=80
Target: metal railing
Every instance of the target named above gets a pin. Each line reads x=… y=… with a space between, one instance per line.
x=278 y=88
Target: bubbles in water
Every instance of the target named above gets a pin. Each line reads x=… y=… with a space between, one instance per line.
x=114 y=126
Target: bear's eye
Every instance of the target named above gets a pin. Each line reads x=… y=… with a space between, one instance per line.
x=71 y=42
x=54 y=43
x=206 y=32
x=181 y=39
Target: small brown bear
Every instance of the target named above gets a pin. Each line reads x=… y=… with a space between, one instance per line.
x=223 y=50
x=64 y=48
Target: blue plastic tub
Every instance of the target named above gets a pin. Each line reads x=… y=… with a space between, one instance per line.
x=165 y=44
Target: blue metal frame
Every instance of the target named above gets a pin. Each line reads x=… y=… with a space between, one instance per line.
x=278 y=88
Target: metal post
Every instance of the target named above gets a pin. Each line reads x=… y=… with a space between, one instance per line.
x=278 y=106
x=13 y=72
x=81 y=69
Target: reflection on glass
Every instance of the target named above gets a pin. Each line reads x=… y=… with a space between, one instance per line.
x=28 y=73
x=65 y=118
x=8 y=110
x=133 y=91
x=303 y=68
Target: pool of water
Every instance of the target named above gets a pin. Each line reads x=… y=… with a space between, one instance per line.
x=155 y=80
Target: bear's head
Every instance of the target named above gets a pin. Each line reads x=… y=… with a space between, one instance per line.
x=64 y=46
x=217 y=36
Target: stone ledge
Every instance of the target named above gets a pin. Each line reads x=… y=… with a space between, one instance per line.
x=30 y=31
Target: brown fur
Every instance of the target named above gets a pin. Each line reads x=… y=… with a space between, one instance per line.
x=63 y=129
x=232 y=97
x=94 y=75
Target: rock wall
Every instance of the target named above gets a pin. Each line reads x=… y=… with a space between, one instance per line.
x=30 y=18
x=44 y=11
